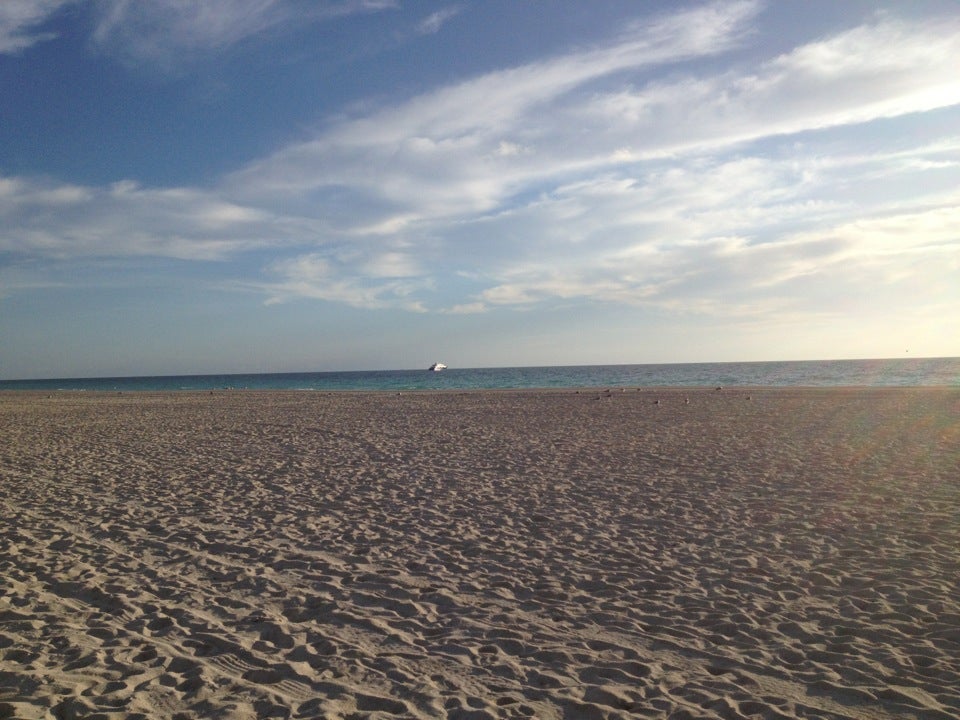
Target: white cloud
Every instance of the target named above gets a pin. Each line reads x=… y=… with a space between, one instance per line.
x=322 y=277
x=123 y=220
x=475 y=147
x=726 y=238
x=160 y=30
x=434 y=21
x=391 y=264
x=433 y=147
x=166 y=32
x=889 y=69
x=506 y=149
x=19 y=20
x=473 y=308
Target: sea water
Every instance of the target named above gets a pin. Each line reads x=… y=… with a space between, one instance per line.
x=823 y=373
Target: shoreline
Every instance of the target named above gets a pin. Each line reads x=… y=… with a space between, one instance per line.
x=759 y=552
x=581 y=389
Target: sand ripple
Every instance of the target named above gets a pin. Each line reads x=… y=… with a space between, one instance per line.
x=747 y=554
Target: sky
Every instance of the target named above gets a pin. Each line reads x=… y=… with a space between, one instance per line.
x=311 y=185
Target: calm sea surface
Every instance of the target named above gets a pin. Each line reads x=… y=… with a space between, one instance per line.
x=919 y=371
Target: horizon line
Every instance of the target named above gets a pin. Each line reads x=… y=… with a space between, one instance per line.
x=480 y=367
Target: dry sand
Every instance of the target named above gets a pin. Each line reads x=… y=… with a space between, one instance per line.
x=788 y=553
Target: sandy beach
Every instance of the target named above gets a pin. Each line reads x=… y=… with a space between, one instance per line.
x=741 y=553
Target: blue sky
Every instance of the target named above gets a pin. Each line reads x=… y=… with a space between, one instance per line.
x=292 y=185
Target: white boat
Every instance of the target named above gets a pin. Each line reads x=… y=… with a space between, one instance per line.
x=437 y=367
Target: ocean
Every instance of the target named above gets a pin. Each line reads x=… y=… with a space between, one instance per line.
x=817 y=373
